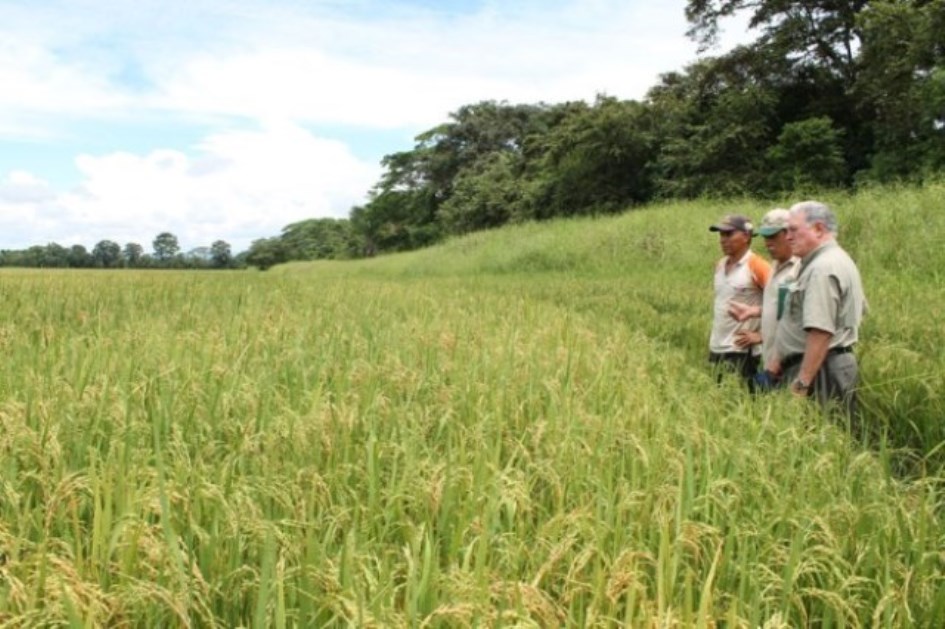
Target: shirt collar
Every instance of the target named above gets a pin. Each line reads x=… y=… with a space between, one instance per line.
x=806 y=260
x=787 y=264
x=743 y=259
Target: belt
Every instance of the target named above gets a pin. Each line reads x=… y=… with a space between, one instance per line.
x=727 y=355
x=795 y=359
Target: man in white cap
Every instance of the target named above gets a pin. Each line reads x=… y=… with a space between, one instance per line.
x=740 y=277
x=773 y=229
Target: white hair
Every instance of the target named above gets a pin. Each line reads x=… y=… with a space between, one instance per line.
x=816 y=212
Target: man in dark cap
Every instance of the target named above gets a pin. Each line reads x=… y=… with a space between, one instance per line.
x=740 y=277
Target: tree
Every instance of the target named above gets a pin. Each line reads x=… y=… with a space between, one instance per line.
x=106 y=254
x=808 y=154
x=484 y=197
x=817 y=43
x=319 y=238
x=712 y=126
x=819 y=32
x=197 y=258
x=902 y=87
x=403 y=210
x=165 y=247
x=55 y=256
x=397 y=220
x=265 y=253
x=221 y=257
x=132 y=254
x=33 y=257
x=598 y=159
x=474 y=132
x=79 y=257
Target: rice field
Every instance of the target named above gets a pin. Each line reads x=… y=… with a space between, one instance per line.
x=514 y=429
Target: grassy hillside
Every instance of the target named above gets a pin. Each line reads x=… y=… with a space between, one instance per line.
x=650 y=270
x=513 y=429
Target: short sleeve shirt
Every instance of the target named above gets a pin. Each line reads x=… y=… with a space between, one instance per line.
x=782 y=275
x=828 y=295
x=744 y=283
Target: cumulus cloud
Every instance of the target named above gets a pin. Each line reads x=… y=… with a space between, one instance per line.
x=370 y=64
x=235 y=186
x=410 y=69
x=22 y=188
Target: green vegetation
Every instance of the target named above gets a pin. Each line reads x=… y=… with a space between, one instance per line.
x=831 y=94
x=515 y=428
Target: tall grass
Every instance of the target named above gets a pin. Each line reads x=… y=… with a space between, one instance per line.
x=649 y=268
x=514 y=429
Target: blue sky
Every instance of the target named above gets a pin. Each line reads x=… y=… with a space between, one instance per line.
x=230 y=119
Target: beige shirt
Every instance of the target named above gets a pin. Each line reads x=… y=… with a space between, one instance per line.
x=783 y=274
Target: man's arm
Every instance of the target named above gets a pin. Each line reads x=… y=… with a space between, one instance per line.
x=815 y=351
x=743 y=312
x=746 y=339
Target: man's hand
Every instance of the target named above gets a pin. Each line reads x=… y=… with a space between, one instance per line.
x=798 y=389
x=774 y=366
x=746 y=339
x=743 y=312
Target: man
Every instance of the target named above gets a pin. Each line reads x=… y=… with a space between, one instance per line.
x=822 y=314
x=773 y=229
x=740 y=277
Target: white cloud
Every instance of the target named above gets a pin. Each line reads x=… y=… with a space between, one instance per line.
x=237 y=186
x=398 y=67
x=37 y=82
x=412 y=72
x=22 y=188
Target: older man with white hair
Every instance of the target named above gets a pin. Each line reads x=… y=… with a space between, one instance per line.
x=823 y=310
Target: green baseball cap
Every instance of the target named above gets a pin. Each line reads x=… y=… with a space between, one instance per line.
x=774 y=221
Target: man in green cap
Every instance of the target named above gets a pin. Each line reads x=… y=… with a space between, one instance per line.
x=773 y=229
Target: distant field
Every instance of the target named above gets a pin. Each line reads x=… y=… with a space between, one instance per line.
x=513 y=429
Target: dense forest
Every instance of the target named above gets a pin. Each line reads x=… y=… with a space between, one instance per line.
x=831 y=94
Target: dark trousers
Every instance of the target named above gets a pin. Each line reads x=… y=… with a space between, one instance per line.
x=743 y=364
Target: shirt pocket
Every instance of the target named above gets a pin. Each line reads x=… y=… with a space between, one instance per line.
x=746 y=294
x=795 y=301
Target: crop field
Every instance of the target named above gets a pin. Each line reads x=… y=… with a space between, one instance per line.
x=515 y=428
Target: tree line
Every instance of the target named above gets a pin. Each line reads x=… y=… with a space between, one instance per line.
x=107 y=254
x=831 y=94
